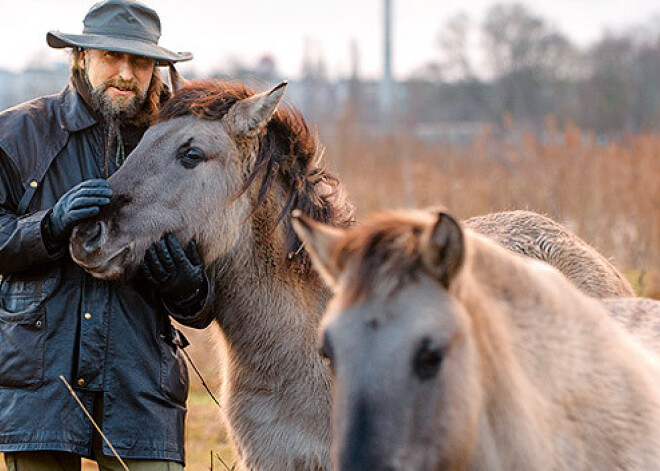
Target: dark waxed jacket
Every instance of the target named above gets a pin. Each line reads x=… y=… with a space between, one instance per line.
x=104 y=338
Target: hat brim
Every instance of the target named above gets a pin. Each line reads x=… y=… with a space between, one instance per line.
x=162 y=56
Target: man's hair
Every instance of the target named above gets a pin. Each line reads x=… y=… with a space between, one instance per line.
x=154 y=93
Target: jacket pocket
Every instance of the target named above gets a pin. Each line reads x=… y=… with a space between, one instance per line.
x=23 y=328
x=174 y=381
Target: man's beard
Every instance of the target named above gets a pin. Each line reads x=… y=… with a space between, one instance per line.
x=119 y=107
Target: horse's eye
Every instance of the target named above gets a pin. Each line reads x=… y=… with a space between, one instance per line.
x=190 y=157
x=427 y=360
x=326 y=351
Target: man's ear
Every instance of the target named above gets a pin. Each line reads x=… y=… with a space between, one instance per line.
x=443 y=249
x=320 y=240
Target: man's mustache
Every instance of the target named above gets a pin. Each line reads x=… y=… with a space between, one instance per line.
x=122 y=84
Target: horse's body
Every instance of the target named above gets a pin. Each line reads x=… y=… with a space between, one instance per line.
x=542 y=238
x=196 y=173
x=639 y=316
x=449 y=352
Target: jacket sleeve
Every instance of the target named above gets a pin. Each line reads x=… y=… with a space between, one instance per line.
x=21 y=237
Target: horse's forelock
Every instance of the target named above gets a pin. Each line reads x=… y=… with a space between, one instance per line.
x=386 y=255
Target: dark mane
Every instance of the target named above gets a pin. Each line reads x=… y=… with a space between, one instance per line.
x=288 y=152
x=388 y=255
x=206 y=99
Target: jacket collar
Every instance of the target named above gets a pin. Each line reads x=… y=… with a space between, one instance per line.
x=74 y=112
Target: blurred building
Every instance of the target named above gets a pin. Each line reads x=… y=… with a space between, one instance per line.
x=32 y=82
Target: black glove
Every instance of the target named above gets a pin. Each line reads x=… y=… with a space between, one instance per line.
x=80 y=202
x=177 y=274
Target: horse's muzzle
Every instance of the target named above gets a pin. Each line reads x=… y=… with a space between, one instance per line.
x=89 y=238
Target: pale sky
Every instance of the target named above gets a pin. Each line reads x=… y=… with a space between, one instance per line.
x=217 y=31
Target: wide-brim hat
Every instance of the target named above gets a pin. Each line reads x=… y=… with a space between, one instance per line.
x=121 y=26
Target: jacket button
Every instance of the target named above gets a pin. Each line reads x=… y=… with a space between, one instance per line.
x=34 y=184
x=81 y=382
x=88 y=316
x=37 y=324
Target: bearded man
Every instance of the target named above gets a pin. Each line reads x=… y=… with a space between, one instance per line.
x=114 y=342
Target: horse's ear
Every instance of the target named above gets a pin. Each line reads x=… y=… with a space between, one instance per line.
x=443 y=250
x=176 y=79
x=320 y=241
x=249 y=116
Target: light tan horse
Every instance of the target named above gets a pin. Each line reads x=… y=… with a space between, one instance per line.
x=450 y=352
x=223 y=167
x=639 y=316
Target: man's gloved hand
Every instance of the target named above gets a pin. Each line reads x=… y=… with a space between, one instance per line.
x=177 y=274
x=80 y=202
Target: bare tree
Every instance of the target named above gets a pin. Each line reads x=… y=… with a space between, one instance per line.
x=525 y=54
x=453 y=41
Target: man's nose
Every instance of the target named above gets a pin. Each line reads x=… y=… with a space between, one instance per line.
x=126 y=69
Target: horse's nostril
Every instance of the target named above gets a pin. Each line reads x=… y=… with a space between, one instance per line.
x=95 y=237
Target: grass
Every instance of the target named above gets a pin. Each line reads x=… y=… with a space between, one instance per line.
x=205 y=435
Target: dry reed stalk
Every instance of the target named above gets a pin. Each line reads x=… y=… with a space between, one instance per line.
x=98 y=429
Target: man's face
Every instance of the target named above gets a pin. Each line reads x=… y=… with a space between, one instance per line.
x=119 y=81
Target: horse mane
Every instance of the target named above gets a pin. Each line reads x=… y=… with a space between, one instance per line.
x=288 y=152
x=388 y=251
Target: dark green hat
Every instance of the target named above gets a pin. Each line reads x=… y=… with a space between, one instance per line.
x=122 y=26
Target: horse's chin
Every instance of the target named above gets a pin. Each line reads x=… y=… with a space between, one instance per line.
x=112 y=268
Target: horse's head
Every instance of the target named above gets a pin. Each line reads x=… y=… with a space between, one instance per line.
x=396 y=339
x=187 y=176
x=192 y=175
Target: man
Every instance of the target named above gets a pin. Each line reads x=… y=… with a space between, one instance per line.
x=113 y=342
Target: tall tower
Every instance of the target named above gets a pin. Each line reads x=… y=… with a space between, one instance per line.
x=387 y=82
x=387 y=33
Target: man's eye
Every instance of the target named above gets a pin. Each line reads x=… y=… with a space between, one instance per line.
x=143 y=62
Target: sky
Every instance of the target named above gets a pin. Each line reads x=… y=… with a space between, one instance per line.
x=220 y=32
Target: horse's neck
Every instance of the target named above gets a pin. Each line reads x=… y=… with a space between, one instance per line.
x=267 y=311
x=275 y=386
x=544 y=348
x=509 y=426
x=530 y=307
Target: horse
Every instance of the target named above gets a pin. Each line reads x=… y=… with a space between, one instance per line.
x=639 y=316
x=540 y=237
x=222 y=166
x=449 y=352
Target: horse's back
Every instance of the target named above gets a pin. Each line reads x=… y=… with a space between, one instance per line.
x=639 y=316
x=540 y=237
